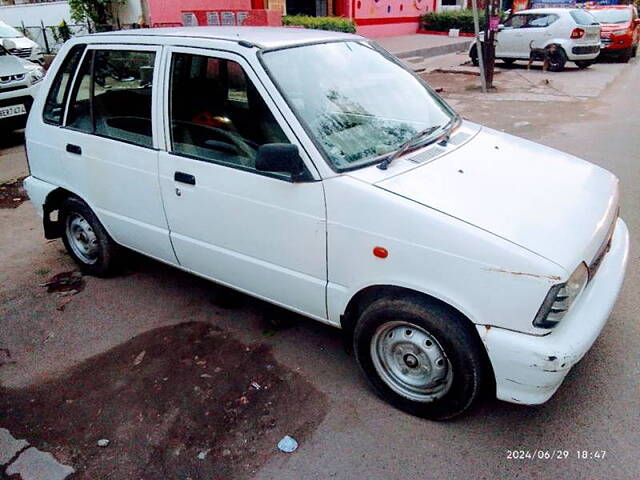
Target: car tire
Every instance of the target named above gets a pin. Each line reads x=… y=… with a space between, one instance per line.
x=634 y=51
x=86 y=240
x=557 y=60
x=422 y=357
x=473 y=54
x=508 y=61
x=626 y=55
x=582 y=64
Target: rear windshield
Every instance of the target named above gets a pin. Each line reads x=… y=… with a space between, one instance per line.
x=583 y=18
x=612 y=15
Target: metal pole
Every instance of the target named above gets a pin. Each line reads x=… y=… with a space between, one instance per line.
x=46 y=41
x=476 y=27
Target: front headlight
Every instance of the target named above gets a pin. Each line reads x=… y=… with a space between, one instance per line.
x=36 y=74
x=619 y=32
x=560 y=298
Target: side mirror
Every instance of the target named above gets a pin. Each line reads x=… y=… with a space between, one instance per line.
x=501 y=27
x=8 y=44
x=281 y=158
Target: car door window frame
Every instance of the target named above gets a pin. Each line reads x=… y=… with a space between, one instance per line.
x=252 y=76
x=155 y=89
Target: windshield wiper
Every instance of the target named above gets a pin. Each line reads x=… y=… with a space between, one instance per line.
x=406 y=146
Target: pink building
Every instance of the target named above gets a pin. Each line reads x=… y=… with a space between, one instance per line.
x=373 y=18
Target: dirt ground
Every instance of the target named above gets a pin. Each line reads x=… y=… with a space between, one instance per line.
x=185 y=401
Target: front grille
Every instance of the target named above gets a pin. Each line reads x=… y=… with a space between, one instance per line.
x=605 y=41
x=21 y=52
x=586 y=49
x=602 y=251
x=11 y=89
x=26 y=100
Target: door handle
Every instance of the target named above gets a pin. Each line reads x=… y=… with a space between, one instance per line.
x=184 y=178
x=74 y=149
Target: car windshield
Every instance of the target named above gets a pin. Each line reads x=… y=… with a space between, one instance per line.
x=612 y=15
x=9 y=32
x=582 y=17
x=355 y=100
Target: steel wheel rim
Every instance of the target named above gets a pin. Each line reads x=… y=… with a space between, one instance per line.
x=411 y=361
x=82 y=239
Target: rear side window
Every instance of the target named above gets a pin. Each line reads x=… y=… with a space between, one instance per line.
x=583 y=18
x=59 y=91
x=112 y=96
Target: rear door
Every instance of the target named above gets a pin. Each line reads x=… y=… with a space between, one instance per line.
x=109 y=149
x=255 y=231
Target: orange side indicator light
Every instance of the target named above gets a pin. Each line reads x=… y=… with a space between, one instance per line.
x=380 y=252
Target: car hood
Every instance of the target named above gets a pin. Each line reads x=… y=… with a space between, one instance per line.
x=610 y=27
x=546 y=201
x=11 y=65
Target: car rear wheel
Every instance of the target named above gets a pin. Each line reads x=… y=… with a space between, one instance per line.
x=422 y=357
x=85 y=238
x=508 y=61
x=582 y=64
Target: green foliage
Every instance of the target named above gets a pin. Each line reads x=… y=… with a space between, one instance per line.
x=98 y=11
x=62 y=32
x=445 y=20
x=336 y=24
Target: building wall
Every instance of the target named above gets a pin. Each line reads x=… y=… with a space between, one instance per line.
x=379 y=18
x=34 y=13
x=170 y=11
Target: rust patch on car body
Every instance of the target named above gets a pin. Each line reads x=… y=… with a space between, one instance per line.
x=554 y=278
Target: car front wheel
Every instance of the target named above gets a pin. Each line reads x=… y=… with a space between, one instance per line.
x=626 y=55
x=85 y=238
x=420 y=356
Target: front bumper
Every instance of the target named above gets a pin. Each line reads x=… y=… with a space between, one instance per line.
x=529 y=369
x=614 y=44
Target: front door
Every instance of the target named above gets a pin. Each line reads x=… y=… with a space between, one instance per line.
x=258 y=232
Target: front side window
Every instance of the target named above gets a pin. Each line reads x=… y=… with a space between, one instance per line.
x=355 y=100
x=216 y=113
x=59 y=91
x=112 y=96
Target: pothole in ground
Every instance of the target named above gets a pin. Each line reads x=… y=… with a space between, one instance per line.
x=185 y=401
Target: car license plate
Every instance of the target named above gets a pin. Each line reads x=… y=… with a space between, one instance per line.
x=591 y=36
x=12 y=111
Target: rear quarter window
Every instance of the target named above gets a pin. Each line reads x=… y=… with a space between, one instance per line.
x=583 y=18
x=59 y=90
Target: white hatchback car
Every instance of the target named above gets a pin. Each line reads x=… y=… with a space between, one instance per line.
x=569 y=34
x=312 y=170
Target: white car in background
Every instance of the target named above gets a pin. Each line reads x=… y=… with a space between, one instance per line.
x=21 y=46
x=571 y=34
x=19 y=83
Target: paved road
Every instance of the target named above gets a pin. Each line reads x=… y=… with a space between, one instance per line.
x=597 y=408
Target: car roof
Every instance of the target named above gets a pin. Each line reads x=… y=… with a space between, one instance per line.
x=263 y=37
x=610 y=7
x=547 y=10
